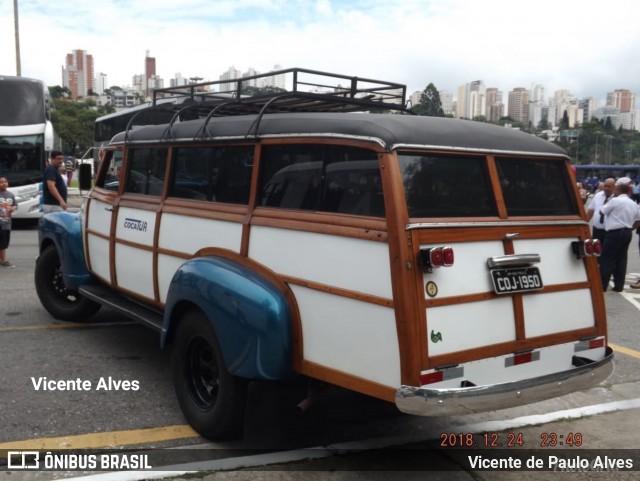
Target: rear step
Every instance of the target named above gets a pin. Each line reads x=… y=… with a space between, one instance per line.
x=131 y=309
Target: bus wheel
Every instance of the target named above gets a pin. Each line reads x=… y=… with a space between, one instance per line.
x=211 y=398
x=60 y=302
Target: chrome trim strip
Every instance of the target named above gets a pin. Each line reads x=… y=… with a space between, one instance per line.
x=430 y=402
x=222 y=138
x=518 y=223
x=513 y=260
x=478 y=150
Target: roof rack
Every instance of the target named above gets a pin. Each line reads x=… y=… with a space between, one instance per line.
x=305 y=91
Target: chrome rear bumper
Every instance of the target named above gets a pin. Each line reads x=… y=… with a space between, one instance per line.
x=431 y=402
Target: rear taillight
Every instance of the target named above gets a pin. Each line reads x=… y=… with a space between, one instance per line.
x=587 y=248
x=436 y=257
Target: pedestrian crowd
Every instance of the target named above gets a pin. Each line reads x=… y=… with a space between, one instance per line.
x=615 y=214
x=54 y=198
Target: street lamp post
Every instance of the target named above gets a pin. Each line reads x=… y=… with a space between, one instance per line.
x=608 y=148
x=17 y=32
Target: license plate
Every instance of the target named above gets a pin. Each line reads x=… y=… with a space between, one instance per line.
x=518 y=279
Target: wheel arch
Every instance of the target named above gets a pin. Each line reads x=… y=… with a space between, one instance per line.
x=63 y=230
x=252 y=311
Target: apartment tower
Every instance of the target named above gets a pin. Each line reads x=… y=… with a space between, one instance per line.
x=149 y=73
x=622 y=99
x=77 y=73
x=519 y=105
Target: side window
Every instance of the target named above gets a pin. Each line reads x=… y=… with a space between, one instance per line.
x=145 y=171
x=322 y=178
x=110 y=179
x=532 y=187
x=446 y=186
x=216 y=173
x=291 y=176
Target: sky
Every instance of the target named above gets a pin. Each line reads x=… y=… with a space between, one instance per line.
x=589 y=47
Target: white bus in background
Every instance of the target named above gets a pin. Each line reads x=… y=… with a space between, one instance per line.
x=26 y=137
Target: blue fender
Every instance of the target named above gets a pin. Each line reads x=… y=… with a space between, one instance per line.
x=64 y=229
x=249 y=314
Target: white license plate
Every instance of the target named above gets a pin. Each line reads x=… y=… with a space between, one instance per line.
x=517 y=279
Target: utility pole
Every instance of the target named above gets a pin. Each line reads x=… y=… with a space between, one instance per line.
x=17 y=30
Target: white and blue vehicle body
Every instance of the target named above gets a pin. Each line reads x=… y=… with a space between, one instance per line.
x=442 y=265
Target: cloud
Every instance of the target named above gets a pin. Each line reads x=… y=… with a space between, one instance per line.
x=562 y=44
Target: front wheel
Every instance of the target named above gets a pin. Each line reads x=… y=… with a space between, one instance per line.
x=211 y=398
x=62 y=303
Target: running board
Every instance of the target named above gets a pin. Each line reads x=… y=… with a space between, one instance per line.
x=122 y=305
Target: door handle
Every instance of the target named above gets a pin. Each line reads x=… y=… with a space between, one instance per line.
x=110 y=209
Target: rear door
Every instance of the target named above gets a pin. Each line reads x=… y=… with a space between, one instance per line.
x=515 y=285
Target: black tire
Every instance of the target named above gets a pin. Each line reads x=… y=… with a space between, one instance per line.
x=60 y=302
x=212 y=400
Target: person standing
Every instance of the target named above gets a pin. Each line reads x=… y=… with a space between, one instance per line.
x=69 y=168
x=621 y=215
x=7 y=207
x=54 y=189
x=599 y=199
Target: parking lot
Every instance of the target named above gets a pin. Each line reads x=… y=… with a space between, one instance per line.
x=113 y=350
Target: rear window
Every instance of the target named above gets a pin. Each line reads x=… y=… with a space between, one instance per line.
x=534 y=187
x=447 y=186
x=459 y=186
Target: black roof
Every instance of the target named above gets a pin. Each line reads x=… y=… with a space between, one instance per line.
x=391 y=131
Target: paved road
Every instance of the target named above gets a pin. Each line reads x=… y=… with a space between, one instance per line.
x=33 y=345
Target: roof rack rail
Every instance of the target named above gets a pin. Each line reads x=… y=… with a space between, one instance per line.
x=305 y=91
x=308 y=91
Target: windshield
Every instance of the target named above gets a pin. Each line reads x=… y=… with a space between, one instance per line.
x=21 y=159
x=22 y=102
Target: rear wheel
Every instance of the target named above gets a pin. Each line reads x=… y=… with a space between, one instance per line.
x=212 y=399
x=62 y=303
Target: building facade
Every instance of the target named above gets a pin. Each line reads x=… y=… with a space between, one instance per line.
x=101 y=83
x=230 y=75
x=495 y=105
x=77 y=73
x=519 y=105
x=472 y=100
x=622 y=99
x=446 y=98
x=150 y=78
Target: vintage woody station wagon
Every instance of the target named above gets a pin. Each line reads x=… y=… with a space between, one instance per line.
x=439 y=264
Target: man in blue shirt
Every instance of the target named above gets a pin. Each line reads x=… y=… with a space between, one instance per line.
x=54 y=188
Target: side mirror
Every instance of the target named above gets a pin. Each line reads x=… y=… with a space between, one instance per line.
x=84 y=176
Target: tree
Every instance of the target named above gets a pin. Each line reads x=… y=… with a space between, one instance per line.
x=543 y=125
x=58 y=92
x=564 y=123
x=608 y=125
x=430 y=103
x=74 y=122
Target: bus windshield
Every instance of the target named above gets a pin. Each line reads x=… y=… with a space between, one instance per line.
x=21 y=159
x=26 y=136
